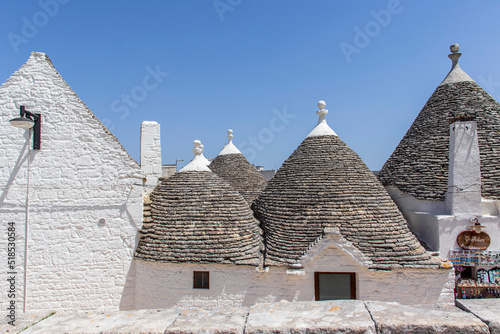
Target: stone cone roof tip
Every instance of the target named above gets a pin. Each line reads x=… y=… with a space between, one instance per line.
x=324 y=185
x=205 y=160
x=419 y=164
x=195 y=216
x=456 y=74
x=229 y=148
x=199 y=162
x=235 y=169
x=322 y=128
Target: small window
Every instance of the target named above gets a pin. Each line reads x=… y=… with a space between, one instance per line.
x=331 y=286
x=201 y=280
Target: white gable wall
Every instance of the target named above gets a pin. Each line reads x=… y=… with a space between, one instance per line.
x=83 y=204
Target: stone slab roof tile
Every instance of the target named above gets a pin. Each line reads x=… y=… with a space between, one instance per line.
x=323 y=185
x=419 y=164
x=243 y=176
x=198 y=217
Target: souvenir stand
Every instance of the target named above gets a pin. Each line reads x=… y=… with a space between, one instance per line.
x=477 y=269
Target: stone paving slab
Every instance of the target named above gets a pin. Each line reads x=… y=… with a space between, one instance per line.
x=488 y=310
x=140 y=321
x=228 y=320
x=341 y=316
x=394 y=318
x=22 y=322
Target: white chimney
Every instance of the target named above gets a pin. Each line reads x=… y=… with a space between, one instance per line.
x=151 y=154
x=464 y=181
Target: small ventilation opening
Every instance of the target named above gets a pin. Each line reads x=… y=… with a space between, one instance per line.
x=201 y=280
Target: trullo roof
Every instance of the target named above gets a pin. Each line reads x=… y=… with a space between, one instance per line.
x=419 y=164
x=233 y=167
x=325 y=185
x=195 y=216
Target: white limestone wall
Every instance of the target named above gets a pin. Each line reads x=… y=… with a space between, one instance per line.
x=151 y=154
x=420 y=215
x=451 y=226
x=431 y=223
x=166 y=284
x=81 y=198
x=464 y=181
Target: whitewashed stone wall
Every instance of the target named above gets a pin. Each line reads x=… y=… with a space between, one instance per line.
x=464 y=180
x=430 y=221
x=83 y=203
x=164 y=285
x=151 y=154
x=438 y=223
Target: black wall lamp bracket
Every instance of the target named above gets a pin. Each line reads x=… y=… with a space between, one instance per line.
x=29 y=120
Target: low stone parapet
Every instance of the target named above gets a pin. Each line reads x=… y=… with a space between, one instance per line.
x=340 y=316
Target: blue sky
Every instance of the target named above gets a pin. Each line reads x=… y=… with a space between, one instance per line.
x=257 y=67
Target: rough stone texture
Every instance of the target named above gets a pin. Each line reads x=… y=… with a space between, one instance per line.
x=163 y=285
x=394 y=318
x=464 y=181
x=151 y=154
x=238 y=172
x=227 y=320
x=341 y=316
x=419 y=164
x=324 y=184
x=140 y=321
x=198 y=217
x=84 y=197
x=24 y=321
x=456 y=74
x=488 y=310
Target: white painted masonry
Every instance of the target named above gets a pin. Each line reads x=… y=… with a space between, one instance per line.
x=80 y=194
x=322 y=128
x=151 y=154
x=160 y=285
x=456 y=74
x=438 y=223
x=205 y=160
x=430 y=222
x=198 y=164
x=229 y=148
x=464 y=180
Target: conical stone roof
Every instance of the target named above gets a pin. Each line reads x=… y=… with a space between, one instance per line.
x=325 y=185
x=195 y=216
x=419 y=164
x=232 y=166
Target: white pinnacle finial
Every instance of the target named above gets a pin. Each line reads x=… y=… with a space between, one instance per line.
x=197 y=150
x=454 y=48
x=456 y=74
x=202 y=148
x=229 y=148
x=199 y=162
x=454 y=55
x=322 y=110
x=322 y=128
